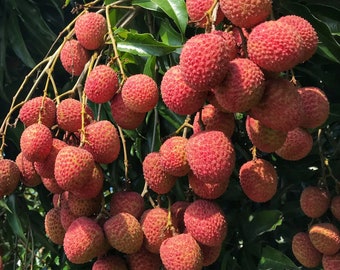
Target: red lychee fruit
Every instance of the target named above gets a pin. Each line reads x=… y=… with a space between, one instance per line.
x=309 y=37
x=297 y=145
x=83 y=240
x=90 y=29
x=66 y=217
x=127 y=201
x=173 y=156
x=314 y=201
x=140 y=93
x=155 y=176
x=9 y=177
x=335 y=207
x=69 y=115
x=73 y=57
x=181 y=252
x=264 y=138
x=143 y=259
x=177 y=211
x=280 y=107
x=204 y=61
x=211 y=156
x=73 y=167
x=110 y=262
x=124 y=233
x=177 y=95
x=102 y=141
x=156 y=228
x=258 y=179
x=246 y=13
x=53 y=227
x=214 y=119
x=230 y=43
x=206 y=222
x=210 y=253
x=84 y=207
x=331 y=262
x=29 y=176
x=304 y=251
x=242 y=87
x=274 y=46
x=36 y=142
x=29 y=112
x=315 y=106
x=123 y=116
x=325 y=238
x=101 y=84
x=51 y=185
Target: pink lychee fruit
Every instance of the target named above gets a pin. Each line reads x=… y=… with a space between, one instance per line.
x=314 y=201
x=9 y=177
x=110 y=262
x=53 y=227
x=331 y=262
x=29 y=176
x=127 y=201
x=325 y=238
x=144 y=259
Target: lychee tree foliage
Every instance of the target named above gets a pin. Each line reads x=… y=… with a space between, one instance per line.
x=123 y=148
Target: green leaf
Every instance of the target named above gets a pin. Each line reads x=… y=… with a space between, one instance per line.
x=13 y=217
x=275 y=259
x=169 y=35
x=176 y=10
x=146 y=4
x=141 y=44
x=150 y=67
x=329 y=15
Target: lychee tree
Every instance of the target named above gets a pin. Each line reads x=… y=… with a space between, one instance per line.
x=170 y=134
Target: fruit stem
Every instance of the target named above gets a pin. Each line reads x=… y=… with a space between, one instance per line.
x=253 y=153
x=83 y=113
x=169 y=225
x=210 y=16
x=126 y=161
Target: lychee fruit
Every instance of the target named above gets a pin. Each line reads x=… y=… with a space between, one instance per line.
x=211 y=156
x=206 y=222
x=53 y=227
x=258 y=179
x=177 y=211
x=29 y=176
x=297 y=145
x=101 y=84
x=9 y=177
x=314 y=201
x=325 y=238
x=335 y=207
x=84 y=207
x=210 y=254
x=304 y=251
x=36 y=142
x=331 y=262
x=73 y=57
x=127 y=201
x=246 y=13
x=177 y=95
x=102 y=141
x=90 y=29
x=155 y=176
x=144 y=259
x=242 y=87
x=280 y=107
x=315 y=107
x=66 y=217
x=51 y=185
x=181 y=252
x=29 y=112
x=110 y=262
x=274 y=46
x=83 y=240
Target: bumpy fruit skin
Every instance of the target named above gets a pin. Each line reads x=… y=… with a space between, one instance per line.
x=73 y=167
x=66 y=217
x=325 y=238
x=29 y=176
x=331 y=262
x=101 y=84
x=315 y=106
x=29 y=112
x=123 y=116
x=181 y=252
x=258 y=179
x=242 y=87
x=127 y=201
x=154 y=225
x=53 y=227
x=204 y=61
x=274 y=46
x=102 y=141
x=83 y=240
x=264 y=138
x=206 y=222
x=211 y=156
x=144 y=260
x=173 y=156
x=314 y=201
x=36 y=142
x=246 y=13
x=155 y=176
x=177 y=211
x=84 y=207
x=177 y=95
x=210 y=254
x=69 y=115
x=9 y=177
x=73 y=57
x=124 y=233
x=304 y=251
x=140 y=93
x=51 y=185
x=110 y=262
x=280 y=107
x=335 y=207
x=297 y=145
x=214 y=119
x=309 y=37
x=90 y=29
